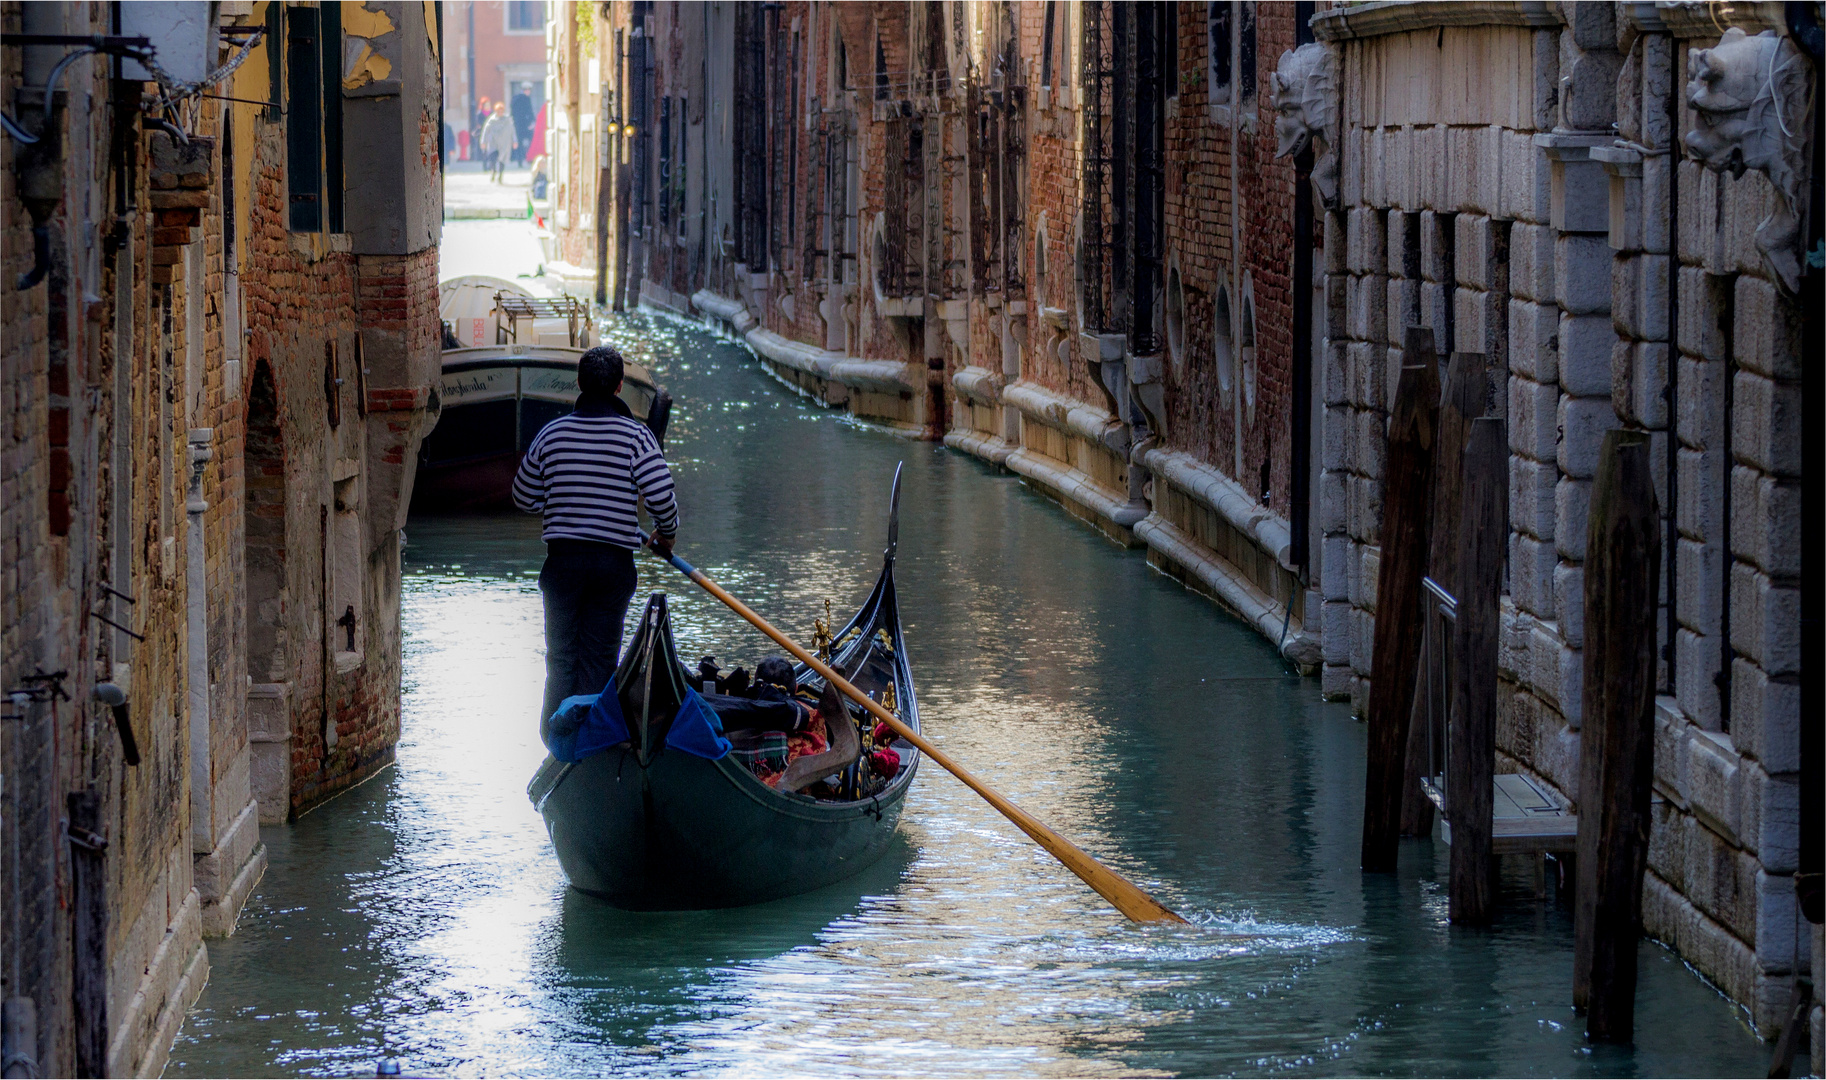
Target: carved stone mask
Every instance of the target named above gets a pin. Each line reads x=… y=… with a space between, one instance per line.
x=1290 y=131
x=1305 y=113
x=1751 y=106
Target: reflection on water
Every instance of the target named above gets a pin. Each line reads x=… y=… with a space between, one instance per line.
x=424 y=913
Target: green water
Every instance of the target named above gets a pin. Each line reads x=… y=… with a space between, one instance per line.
x=423 y=915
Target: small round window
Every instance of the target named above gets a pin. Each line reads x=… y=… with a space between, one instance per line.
x=1223 y=344
x=1040 y=243
x=878 y=258
x=1176 y=319
x=1246 y=345
x=1079 y=260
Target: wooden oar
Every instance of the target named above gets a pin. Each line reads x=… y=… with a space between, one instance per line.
x=1118 y=890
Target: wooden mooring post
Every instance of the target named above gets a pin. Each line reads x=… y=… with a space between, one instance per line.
x=1466 y=387
x=1407 y=473
x=89 y=918
x=1471 y=764
x=1617 y=744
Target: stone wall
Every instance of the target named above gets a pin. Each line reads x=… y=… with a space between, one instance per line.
x=1488 y=197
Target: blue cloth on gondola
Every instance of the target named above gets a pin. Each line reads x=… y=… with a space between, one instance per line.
x=696 y=729
x=591 y=723
x=585 y=724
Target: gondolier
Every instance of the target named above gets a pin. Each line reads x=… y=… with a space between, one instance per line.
x=588 y=473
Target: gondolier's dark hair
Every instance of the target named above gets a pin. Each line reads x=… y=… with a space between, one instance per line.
x=599 y=370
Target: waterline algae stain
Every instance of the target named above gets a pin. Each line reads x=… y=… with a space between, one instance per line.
x=423 y=916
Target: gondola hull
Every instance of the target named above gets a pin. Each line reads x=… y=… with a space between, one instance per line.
x=687 y=833
x=649 y=826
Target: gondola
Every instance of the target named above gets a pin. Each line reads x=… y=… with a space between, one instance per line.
x=649 y=827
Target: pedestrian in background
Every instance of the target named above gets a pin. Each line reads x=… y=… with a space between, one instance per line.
x=521 y=108
x=498 y=141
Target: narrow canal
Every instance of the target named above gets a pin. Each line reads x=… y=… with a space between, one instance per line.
x=423 y=915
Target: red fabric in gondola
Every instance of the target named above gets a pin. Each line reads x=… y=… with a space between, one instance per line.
x=814 y=739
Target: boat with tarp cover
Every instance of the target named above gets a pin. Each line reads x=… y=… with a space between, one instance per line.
x=493 y=400
x=655 y=823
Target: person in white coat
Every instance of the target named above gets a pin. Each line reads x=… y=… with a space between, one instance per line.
x=498 y=141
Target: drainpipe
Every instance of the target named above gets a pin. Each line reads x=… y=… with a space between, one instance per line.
x=608 y=151
x=196 y=647
x=1300 y=477
x=1300 y=465
x=469 y=57
x=1807 y=881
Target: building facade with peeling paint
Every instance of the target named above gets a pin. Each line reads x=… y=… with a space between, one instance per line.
x=221 y=343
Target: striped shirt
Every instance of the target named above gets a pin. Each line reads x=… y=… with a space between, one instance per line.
x=589 y=474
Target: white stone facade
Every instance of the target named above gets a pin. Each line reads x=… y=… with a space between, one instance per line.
x=1487 y=195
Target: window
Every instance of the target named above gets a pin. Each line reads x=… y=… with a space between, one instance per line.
x=1246 y=344
x=1245 y=55
x=1041 y=241
x=1046 y=46
x=1176 y=319
x=275 y=62
x=1223 y=353
x=881 y=71
x=1169 y=60
x=790 y=134
x=681 y=189
x=525 y=16
x=313 y=115
x=665 y=163
x=1222 y=35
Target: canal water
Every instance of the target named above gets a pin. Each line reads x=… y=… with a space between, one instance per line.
x=423 y=915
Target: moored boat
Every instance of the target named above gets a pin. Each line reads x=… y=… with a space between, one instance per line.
x=494 y=400
x=478 y=309
x=649 y=826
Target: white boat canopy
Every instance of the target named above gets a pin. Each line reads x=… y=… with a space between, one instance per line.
x=467 y=305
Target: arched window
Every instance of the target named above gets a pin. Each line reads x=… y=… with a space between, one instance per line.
x=264 y=507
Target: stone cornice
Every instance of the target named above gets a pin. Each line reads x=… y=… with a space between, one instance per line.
x=1699 y=19
x=1400 y=16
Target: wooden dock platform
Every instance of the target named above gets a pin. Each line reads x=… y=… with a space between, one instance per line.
x=1526 y=818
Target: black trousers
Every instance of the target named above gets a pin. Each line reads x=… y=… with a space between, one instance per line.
x=586 y=586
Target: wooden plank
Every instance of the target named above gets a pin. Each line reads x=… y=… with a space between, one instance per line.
x=1617 y=745
x=1527 y=824
x=1407 y=479
x=1471 y=764
x=1466 y=387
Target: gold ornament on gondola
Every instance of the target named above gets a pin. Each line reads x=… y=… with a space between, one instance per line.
x=821 y=634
